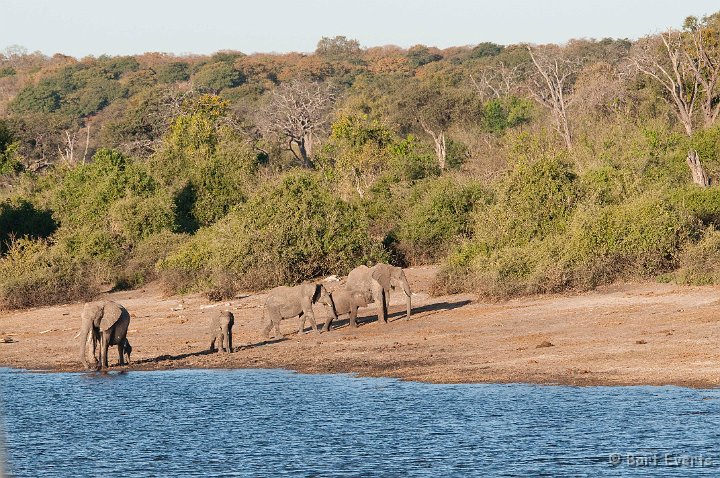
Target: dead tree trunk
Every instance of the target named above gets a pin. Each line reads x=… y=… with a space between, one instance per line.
x=699 y=176
x=439 y=143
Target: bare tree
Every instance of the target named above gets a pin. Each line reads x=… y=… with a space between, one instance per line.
x=552 y=83
x=495 y=81
x=703 y=57
x=298 y=110
x=663 y=58
x=67 y=152
x=687 y=65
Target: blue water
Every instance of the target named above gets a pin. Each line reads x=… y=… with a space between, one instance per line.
x=278 y=423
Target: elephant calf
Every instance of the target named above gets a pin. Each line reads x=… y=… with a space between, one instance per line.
x=221 y=331
x=343 y=301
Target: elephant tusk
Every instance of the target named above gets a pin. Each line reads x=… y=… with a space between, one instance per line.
x=77 y=335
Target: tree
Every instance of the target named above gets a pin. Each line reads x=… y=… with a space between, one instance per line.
x=552 y=83
x=338 y=48
x=298 y=110
x=687 y=65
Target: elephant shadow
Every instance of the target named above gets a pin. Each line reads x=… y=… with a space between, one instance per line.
x=168 y=357
x=370 y=314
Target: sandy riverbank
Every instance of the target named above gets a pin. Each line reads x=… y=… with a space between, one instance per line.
x=622 y=334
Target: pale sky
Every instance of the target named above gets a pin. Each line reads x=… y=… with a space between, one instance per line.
x=95 y=27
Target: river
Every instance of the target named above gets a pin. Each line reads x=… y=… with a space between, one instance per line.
x=279 y=423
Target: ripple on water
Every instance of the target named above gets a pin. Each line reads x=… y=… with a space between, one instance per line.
x=278 y=423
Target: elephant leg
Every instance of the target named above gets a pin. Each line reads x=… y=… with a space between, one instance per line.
x=311 y=316
x=229 y=341
x=277 y=328
x=301 y=321
x=212 y=343
x=327 y=325
x=274 y=318
x=121 y=353
x=379 y=298
x=104 y=346
x=353 y=317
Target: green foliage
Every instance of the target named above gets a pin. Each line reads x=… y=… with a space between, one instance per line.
x=10 y=161
x=204 y=163
x=33 y=273
x=534 y=200
x=439 y=217
x=338 y=48
x=86 y=193
x=140 y=264
x=174 y=72
x=420 y=55
x=500 y=114
x=486 y=49
x=292 y=230
x=635 y=239
x=700 y=262
x=217 y=76
x=21 y=219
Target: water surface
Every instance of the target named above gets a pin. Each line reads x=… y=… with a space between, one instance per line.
x=278 y=423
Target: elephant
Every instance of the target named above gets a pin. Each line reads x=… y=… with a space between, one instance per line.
x=344 y=302
x=221 y=331
x=375 y=284
x=107 y=323
x=285 y=302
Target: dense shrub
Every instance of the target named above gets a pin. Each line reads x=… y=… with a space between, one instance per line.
x=33 y=272
x=636 y=239
x=700 y=262
x=140 y=264
x=20 y=218
x=534 y=200
x=294 y=229
x=438 y=217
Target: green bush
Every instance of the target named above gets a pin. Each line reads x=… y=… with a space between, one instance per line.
x=33 y=273
x=534 y=200
x=438 y=217
x=20 y=218
x=700 y=262
x=139 y=266
x=635 y=239
x=294 y=229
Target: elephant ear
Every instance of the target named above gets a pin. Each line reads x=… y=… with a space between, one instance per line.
x=111 y=314
x=316 y=293
x=382 y=276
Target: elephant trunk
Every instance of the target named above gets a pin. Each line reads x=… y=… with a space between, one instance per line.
x=406 y=289
x=85 y=332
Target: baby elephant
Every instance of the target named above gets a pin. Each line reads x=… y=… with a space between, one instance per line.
x=221 y=330
x=343 y=302
x=126 y=349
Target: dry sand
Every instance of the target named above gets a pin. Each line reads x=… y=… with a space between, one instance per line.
x=646 y=333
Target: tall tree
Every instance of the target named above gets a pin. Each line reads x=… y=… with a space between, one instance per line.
x=552 y=81
x=686 y=63
x=298 y=110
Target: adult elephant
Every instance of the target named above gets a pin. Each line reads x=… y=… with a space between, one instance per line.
x=285 y=302
x=376 y=282
x=107 y=323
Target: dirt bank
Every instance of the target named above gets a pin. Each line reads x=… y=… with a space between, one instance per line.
x=622 y=334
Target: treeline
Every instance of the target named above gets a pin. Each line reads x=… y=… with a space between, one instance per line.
x=519 y=168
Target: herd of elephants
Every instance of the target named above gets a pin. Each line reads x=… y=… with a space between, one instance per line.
x=106 y=323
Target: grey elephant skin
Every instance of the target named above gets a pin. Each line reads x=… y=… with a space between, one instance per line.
x=376 y=282
x=221 y=331
x=344 y=302
x=286 y=302
x=105 y=323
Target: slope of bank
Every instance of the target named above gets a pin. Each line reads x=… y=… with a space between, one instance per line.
x=622 y=334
